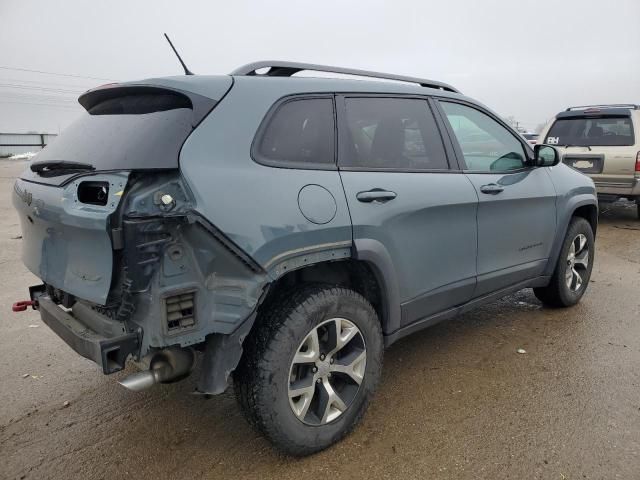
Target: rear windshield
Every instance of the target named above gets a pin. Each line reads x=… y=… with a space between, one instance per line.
x=530 y=136
x=132 y=131
x=591 y=131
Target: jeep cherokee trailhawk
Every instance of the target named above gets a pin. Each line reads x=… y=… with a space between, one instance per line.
x=288 y=229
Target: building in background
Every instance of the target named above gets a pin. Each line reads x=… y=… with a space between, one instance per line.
x=20 y=143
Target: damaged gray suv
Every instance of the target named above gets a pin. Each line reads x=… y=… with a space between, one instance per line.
x=286 y=229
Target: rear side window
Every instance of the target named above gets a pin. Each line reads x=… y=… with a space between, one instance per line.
x=392 y=133
x=300 y=133
x=591 y=131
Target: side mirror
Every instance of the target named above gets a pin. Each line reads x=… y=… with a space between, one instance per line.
x=545 y=156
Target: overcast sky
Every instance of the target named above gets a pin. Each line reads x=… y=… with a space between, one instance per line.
x=527 y=59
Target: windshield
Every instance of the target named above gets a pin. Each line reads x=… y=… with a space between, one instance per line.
x=592 y=131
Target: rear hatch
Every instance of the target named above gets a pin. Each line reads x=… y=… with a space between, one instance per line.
x=597 y=142
x=67 y=197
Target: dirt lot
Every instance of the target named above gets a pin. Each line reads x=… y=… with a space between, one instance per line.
x=456 y=401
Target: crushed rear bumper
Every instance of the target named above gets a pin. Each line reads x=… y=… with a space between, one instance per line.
x=107 y=350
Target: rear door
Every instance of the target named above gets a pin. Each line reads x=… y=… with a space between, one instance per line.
x=516 y=210
x=405 y=198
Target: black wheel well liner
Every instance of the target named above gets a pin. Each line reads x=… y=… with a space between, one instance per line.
x=589 y=213
x=357 y=275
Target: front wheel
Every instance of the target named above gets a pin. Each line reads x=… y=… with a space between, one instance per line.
x=310 y=368
x=573 y=269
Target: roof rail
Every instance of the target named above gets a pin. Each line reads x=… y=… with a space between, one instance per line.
x=613 y=105
x=287 y=69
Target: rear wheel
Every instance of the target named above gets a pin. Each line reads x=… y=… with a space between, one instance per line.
x=310 y=368
x=573 y=269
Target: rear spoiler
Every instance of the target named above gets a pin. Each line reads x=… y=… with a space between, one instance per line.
x=595 y=112
x=200 y=105
x=632 y=106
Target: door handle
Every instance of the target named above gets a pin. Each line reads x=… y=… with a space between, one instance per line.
x=491 y=189
x=376 y=195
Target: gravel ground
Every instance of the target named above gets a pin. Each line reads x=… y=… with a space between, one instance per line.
x=456 y=401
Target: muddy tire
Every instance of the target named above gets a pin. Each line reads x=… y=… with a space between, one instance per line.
x=572 y=273
x=310 y=368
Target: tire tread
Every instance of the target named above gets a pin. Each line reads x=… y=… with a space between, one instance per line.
x=554 y=294
x=252 y=376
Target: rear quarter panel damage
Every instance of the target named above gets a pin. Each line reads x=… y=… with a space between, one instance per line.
x=173 y=252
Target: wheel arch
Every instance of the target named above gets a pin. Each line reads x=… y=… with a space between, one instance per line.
x=583 y=206
x=368 y=270
x=589 y=212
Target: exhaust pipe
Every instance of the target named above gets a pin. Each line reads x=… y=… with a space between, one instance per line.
x=166 y=366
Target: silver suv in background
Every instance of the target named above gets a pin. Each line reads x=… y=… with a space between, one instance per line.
x=603 y=142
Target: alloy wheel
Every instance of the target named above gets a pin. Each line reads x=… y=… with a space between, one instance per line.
x=326 y=371
x=577 y=262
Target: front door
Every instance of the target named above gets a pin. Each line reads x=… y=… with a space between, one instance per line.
x=406 y=204
x=517 y=203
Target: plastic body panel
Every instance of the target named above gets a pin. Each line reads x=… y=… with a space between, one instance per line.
x=212 y=86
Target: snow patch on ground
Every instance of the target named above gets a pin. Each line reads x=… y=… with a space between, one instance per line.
x=22 y=156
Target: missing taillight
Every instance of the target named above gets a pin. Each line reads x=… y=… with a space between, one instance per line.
x=93 y=193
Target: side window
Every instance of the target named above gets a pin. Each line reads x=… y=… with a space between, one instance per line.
x=300 y=132
x=486 y=145
x=393 y=133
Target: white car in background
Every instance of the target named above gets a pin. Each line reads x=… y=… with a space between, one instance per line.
x=531 y=138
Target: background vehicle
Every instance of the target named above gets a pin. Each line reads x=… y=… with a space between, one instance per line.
x=603 y=142
x=531 y=138
x=290 y=228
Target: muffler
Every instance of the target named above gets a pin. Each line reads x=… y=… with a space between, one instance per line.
x=166 y=366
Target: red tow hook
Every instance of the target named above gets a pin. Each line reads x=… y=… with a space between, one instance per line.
x=22 y=305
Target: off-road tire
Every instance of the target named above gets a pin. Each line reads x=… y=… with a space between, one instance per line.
x=557 y=293
x=261 y=380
